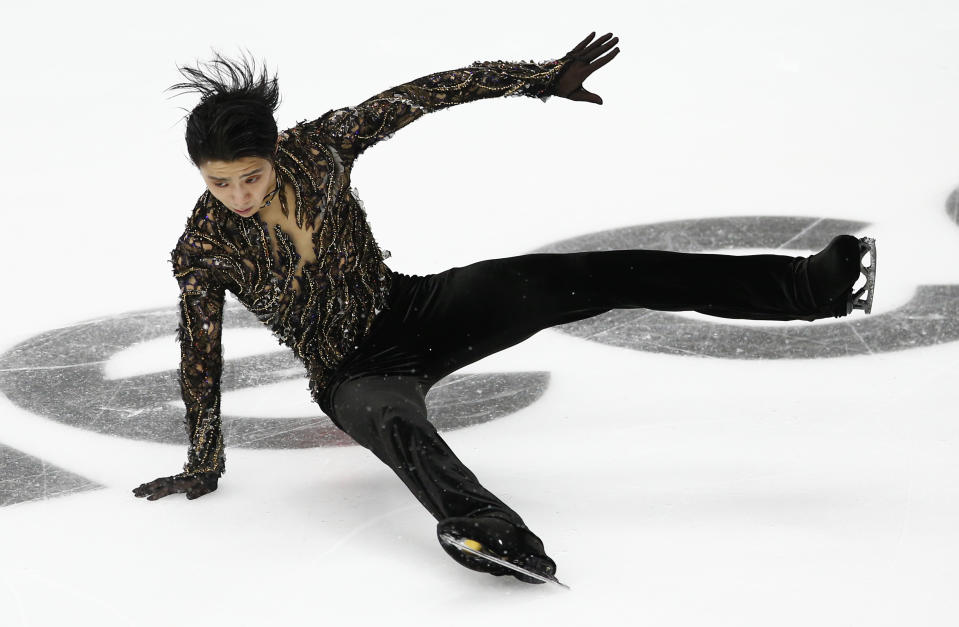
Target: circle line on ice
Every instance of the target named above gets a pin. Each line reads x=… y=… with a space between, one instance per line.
x=931 y=317
x=61 y=375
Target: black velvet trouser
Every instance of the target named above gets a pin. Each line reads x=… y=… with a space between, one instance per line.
x=437 y=324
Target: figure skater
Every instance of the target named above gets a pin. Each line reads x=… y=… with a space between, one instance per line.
x=280 y=228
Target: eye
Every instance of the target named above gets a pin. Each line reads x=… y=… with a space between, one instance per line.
x=253 y=179
x=220 y=184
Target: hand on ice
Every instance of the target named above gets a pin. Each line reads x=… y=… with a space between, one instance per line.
x=194 y=484
x=587 y=57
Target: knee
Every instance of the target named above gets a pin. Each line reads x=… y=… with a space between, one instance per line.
x=368 y=411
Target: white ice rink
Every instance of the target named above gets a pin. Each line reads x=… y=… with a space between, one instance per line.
x=672 y=485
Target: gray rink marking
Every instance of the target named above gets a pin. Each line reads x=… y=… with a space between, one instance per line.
x=952 y=206
x=26 y=478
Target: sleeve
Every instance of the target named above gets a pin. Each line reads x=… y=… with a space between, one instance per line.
x=354 y=129
x=201 y=363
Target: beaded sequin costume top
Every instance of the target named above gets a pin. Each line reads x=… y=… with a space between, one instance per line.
x=323 y=309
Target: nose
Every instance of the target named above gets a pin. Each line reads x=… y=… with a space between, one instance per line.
x=241 y=199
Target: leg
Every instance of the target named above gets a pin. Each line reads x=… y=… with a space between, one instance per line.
x=550 y=288
x=464 y=314
x=387 y=415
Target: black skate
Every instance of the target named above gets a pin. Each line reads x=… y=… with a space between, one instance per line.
x=495 y=546
x=832 y=273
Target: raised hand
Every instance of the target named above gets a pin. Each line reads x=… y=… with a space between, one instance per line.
x=587 y=57
x=195 y=484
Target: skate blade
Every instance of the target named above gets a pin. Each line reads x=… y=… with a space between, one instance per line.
x=863 y=297
x=462 y=545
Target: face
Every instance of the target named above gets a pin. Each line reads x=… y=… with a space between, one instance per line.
x=240 y=185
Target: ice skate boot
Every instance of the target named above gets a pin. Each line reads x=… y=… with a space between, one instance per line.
x=831 y=274
x=492 y=545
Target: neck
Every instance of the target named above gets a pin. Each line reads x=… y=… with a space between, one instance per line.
x=267 y=211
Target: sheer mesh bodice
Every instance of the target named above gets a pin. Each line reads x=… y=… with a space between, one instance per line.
x=324 y=308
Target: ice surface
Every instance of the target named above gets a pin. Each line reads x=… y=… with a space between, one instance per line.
x=681 y=470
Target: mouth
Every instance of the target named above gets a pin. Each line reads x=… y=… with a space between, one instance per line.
x=244 y=212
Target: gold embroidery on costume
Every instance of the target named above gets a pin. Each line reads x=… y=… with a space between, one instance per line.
x=324 y=308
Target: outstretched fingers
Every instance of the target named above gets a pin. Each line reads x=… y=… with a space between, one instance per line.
x=582 y=45
x=599 y=42
x=193 y=486
x=146 y=489
x=159 y=493
x=587 y=57
x=595 y=65
x=593 y=52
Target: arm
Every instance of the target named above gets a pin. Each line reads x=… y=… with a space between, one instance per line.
x=199 y=334
x=201 y=363
x=354 y=129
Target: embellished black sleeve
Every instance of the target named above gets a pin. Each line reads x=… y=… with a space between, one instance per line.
x=354 y=129
x=201 y=362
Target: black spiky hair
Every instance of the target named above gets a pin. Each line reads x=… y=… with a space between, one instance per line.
x=234 y=118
